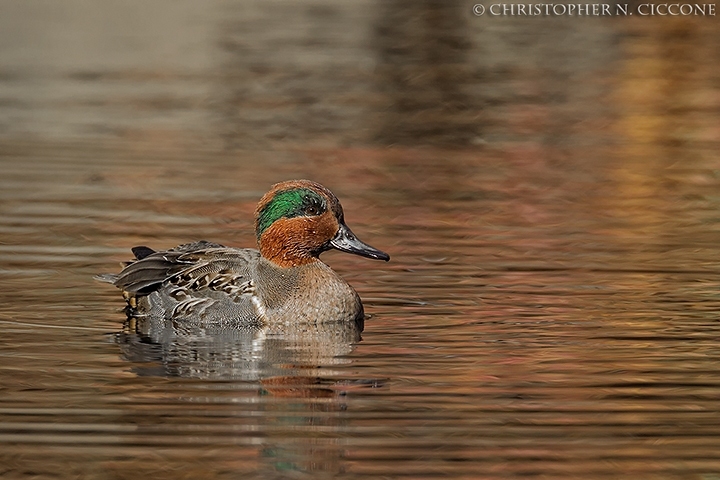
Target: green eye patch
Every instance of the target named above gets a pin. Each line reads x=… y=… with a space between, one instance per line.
x=289 y=204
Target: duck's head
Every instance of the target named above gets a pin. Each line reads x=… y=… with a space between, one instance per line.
x=297 y=220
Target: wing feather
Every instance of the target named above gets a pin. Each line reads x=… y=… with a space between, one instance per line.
x=191 y=266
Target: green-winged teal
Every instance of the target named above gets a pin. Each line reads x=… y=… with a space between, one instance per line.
x=283 y=282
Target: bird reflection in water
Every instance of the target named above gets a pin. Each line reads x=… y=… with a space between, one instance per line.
x=220 y=352
x=284 y=362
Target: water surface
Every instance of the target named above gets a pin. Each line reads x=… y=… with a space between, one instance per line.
x=547 y=189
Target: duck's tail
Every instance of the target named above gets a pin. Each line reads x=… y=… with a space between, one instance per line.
x=139 y=252
x=106 y=278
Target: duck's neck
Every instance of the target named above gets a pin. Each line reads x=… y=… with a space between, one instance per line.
x=286 y=257
x=285 y=254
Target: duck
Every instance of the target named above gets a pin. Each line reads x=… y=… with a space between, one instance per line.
x=283 y=281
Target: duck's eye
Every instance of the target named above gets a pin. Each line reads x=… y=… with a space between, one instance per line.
x=312 y=206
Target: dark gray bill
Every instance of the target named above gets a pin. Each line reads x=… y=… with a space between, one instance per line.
x=346 y=241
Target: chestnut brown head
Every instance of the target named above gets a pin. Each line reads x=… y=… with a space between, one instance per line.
x=297 y=220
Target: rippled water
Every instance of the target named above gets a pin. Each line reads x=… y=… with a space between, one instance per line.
x=548 y=190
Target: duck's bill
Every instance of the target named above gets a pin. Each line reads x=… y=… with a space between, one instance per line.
x=346 y=241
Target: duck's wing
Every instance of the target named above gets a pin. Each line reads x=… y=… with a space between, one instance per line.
x=193 y=267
